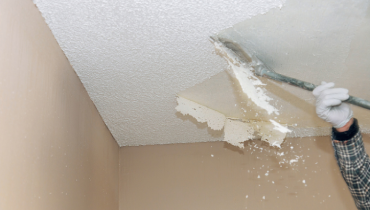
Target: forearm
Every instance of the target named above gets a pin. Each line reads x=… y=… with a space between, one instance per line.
x=353 y=162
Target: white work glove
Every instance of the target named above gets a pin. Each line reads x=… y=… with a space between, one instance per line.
x=329 y=106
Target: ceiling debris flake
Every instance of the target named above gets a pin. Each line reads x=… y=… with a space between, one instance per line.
x=215 y=120
x=268 y=133
x=236 y=132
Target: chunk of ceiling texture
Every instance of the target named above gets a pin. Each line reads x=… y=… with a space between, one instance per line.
x=133 y=57
x=309 y=40
x=236 y=132
x=214 y=119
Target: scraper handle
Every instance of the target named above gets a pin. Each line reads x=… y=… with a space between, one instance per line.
x=279 y=77
x=358 y=102
x=309 y=86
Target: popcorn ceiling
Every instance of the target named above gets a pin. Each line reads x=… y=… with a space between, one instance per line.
x=133 y=57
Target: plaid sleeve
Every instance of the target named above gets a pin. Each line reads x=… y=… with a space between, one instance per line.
x=354 y=165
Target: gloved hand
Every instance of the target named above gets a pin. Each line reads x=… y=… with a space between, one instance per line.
x=329 y=106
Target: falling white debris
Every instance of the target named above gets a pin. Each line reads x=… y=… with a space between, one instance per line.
x=296 y=159
x=214 y=119
x=246 y=196
x=212 y=155
x=247 y=80
x=280 y=127
x=293 y=161
x=303 y=181
x=263 y=197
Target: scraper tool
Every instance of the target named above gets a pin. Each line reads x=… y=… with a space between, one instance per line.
x=261 y=70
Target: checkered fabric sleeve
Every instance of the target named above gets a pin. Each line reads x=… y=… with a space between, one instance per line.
x=353 y=163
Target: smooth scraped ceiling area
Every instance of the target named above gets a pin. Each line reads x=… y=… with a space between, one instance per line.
x=135 y=57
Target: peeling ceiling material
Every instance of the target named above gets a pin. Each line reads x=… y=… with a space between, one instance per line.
x=310 y=40
x=202 y=114
x=249 y=83
x=236 y=131
x=133 y=57
x=223 y=93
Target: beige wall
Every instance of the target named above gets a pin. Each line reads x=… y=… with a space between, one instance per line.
x=56 y=152
x=186 y=176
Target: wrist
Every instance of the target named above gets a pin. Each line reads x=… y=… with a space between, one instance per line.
x=346 y=126
x=341 y=135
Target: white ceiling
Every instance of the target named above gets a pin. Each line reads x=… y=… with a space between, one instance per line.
x=133 y=57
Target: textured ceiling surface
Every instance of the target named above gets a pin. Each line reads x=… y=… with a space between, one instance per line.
x=133 y=57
